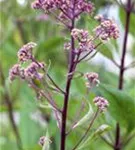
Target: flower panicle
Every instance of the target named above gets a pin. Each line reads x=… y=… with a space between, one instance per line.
x=85 y=42
x=107 y=29
x=32 y=71
x=65 y=7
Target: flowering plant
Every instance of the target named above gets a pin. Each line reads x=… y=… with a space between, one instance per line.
x=80 y=46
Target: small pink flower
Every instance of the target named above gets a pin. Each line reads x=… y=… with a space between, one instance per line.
x=25 y=53
x=85 y=6
x=67 y=46
x=101 y=103
x=92 y=78
x=107 y=29
x=16 y=71
x=32 y=71
x=80 y=34
x=98 y=18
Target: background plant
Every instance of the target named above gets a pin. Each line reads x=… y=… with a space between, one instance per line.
x=105 y=78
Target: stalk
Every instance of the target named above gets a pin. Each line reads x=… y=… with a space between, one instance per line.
x=68 y=85
x=122 y=66
x=128 y=9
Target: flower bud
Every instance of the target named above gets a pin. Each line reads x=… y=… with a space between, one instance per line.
x=42 y=140
x=101 y=103
x=92 y=79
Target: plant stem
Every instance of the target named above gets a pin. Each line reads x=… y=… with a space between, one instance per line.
x=128 y=9
x=45 y=95
x=86 y=132
x=53 y=82
x=68 y=84
x=121 y=74
x=117 y=145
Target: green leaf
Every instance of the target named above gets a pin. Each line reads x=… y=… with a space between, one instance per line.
x=122 y=106
x=47 y=141
x=101 y=129
x=30 y=130
x=106 y=51
x=51 y=43
x=86 y=117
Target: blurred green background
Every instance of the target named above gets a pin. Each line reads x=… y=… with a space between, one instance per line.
x=18 y=104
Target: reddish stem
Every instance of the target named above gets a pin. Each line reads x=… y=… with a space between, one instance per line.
x=121 y=75
x=67 y=91
x=128 y=9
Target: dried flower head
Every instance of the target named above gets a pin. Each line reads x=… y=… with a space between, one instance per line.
x=92 y=79
x=107 y=29
x=25 y=53
x=65 y=7
x=16 y=71
x=32 y=71
x=101 y=103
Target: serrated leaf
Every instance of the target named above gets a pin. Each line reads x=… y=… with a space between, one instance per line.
x=86 y=117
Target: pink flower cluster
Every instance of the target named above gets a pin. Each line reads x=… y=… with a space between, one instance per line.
x=25 y=53
x=80 y=34
x=84 y=41
x=32 y=70
x=101 y=103
x=16 y=71
x=85 y=6
x=67 y=7
x=92 y=79
x=107 y=28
